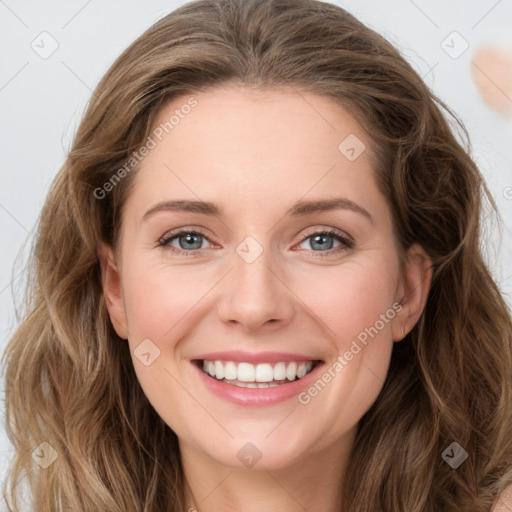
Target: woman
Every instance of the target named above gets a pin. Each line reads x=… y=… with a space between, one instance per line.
x=258 y=285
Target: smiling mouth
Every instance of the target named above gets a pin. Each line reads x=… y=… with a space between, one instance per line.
x=263 y=375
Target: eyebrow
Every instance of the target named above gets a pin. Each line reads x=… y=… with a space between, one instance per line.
x=298 y=209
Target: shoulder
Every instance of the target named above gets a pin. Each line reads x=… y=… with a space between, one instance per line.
x=505 y=501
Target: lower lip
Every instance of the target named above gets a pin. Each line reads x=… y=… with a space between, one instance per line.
x=258 y=396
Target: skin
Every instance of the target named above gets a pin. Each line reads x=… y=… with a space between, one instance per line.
x=255 y=153
x=492 y=73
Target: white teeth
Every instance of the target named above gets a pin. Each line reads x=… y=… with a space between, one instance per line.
x=280 y=371
x=246 y=372
x=264 y=373
x=230 y=371
x=291 y=371
x=219 y=370
x=261 y=375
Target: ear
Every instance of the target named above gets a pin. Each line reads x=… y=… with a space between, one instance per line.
x=412 y=292
x=111 y=283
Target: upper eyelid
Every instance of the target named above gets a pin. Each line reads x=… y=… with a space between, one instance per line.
x=329 y=231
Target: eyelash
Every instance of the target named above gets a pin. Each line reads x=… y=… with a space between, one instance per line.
x=345 y=241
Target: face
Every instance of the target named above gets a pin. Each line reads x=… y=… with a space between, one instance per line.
x=257 y=246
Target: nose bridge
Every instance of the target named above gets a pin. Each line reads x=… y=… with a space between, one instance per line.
x=256 y=295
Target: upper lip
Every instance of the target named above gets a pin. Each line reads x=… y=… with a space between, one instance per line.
x=254 y=357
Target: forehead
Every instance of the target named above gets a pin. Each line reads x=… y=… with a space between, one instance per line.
x=255 y=146
x=277 y=115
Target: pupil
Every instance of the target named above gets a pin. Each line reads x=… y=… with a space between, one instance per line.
x=321 y=241
x=189 y=239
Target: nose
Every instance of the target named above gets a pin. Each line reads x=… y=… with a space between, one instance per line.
x=255 y=296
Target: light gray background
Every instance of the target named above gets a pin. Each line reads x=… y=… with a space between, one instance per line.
x=42 y=100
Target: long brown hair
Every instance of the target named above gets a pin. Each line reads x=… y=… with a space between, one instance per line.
x=70 y=380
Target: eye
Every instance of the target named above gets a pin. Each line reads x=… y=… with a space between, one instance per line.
x=189 y=241
x=324 y=241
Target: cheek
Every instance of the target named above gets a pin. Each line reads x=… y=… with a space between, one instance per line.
x=349 y=298
x=355 y=303
x=157 y=300
x=157 y=297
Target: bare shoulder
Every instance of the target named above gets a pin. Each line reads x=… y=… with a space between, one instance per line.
x=505 y=502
